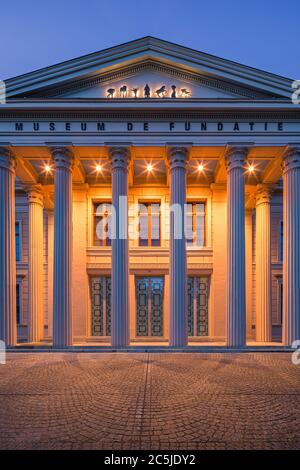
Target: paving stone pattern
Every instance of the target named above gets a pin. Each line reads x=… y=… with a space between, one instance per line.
x=149 y=401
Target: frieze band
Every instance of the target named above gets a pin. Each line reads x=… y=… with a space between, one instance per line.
x=148 y=126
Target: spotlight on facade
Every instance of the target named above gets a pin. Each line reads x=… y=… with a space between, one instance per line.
x=200 y=168
x=251 y=169
x=98 y=168
x=149 y=167
x=48 y=168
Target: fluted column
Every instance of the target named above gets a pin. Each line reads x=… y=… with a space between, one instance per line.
x=119 y=275
x=35 y=264
x=263 y=264
x=236 y=272
x=62 y=282
x=178 y=335
x=8 y=322
x=291 y=245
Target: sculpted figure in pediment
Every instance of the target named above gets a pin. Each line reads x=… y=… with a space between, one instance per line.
x=161 y=92
x=110 y=92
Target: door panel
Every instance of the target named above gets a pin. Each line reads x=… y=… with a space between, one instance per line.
x=149 y=306
x=100 y=306
x=157 y=285
x=108 y=306
x=198 y=301
x=190 y=303
x=142 y=289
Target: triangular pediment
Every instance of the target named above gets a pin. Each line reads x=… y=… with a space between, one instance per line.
x=153 y=62
x=149 y=79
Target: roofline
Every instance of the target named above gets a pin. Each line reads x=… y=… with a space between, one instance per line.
x=143 y=38
x=89 y=54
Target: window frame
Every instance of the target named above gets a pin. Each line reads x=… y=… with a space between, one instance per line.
x=148 y=203
x=194 y=202
x=102 y=243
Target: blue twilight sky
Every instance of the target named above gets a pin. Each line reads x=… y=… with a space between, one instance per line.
x=259 y=33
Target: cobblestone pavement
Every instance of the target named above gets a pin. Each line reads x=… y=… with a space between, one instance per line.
x=149 y=401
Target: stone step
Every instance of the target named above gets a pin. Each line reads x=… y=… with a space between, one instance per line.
x=148 y=349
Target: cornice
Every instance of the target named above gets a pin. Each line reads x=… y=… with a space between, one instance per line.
x=177 y=114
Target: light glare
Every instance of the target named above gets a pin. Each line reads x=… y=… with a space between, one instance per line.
x=149 y=167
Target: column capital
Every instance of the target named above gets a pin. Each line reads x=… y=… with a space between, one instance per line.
x=7 y=159
x=119 y=157
x=62 y=157
x=177 y=156
x=291 y=158
x=235 y=156
x=34 y=193
x=263 y=193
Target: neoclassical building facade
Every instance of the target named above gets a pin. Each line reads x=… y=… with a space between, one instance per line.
x=149 y=195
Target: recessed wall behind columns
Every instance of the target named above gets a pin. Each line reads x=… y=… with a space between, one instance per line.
x=22 y=265
x=219 y=243
x=249 y=272
x=80 y=281
x=276 y=219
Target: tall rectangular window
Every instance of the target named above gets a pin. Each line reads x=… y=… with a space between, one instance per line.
x=281 y=242
x=195 y=224
x=18 y=241
x=102 y=223
x=149 y=224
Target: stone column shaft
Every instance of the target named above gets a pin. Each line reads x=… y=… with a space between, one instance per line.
x=35 y=264
x=119 y=275
x=291 y=245
x=178 y=266
x=263 y=265
x=236 y=271
x=62 y=283
x=8 y=321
